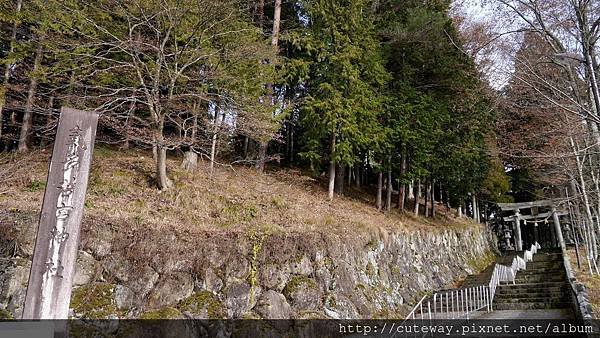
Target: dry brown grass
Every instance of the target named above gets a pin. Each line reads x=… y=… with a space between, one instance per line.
x=233 y=199
x=583 y=275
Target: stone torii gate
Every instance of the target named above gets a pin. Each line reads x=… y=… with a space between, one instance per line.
x=536 y=217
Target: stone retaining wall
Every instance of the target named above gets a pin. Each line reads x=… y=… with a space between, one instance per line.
x=252 y=275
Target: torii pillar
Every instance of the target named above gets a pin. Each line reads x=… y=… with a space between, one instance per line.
x=536 y=233
x=518 y=238
x=557 y=229
x=561 y=241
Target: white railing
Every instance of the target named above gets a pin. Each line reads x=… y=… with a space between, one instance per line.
x=460 y=303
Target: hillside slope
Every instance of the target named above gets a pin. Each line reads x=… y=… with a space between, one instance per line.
x=233 y=199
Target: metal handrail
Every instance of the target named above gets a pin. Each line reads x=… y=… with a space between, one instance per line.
x=459 y=303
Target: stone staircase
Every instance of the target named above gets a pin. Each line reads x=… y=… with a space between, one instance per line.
x=543 y=285
x=541 y=291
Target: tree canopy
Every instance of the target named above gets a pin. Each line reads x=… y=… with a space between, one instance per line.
x=352 y=89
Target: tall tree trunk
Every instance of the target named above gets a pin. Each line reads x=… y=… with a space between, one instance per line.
x=417 y=195
x=379 y=190
x=427 y=197
x=263 y=147
x=331 y=179
x=332 y=168
x=586 y=240
x=478 y=209
x=401 y=185
x=213 y=148
x=190 y=161
x=340 y=179
x=287 y=143
x=388 y=200
x=485 y=214
x=161 y=159
x=582 y=183
x=349 y=178
x=357 y=174
x=161 y=167
x=587 y=48
x=11 y=50
x=432 y=198
x=159 y=148
x=474 y=207
x=276 y=23
x=262 y=155
x=190 y=158
x=28 y=116
x=292 y=144
x=596 y=210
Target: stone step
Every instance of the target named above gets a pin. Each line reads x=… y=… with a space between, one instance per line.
x=543 y=265
x=545 y=294
x=522 y=279
x=532 y=286
x=507 y=290
x=542 y=285
x=553 y=267
x=531 y=298
x=551 y=273
x=548 y=254
x=542 y=272
x=531 y=305
x=548 y=258
x=536 y=280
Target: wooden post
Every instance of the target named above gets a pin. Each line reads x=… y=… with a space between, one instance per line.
x=55 y=252
x=518 y=239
